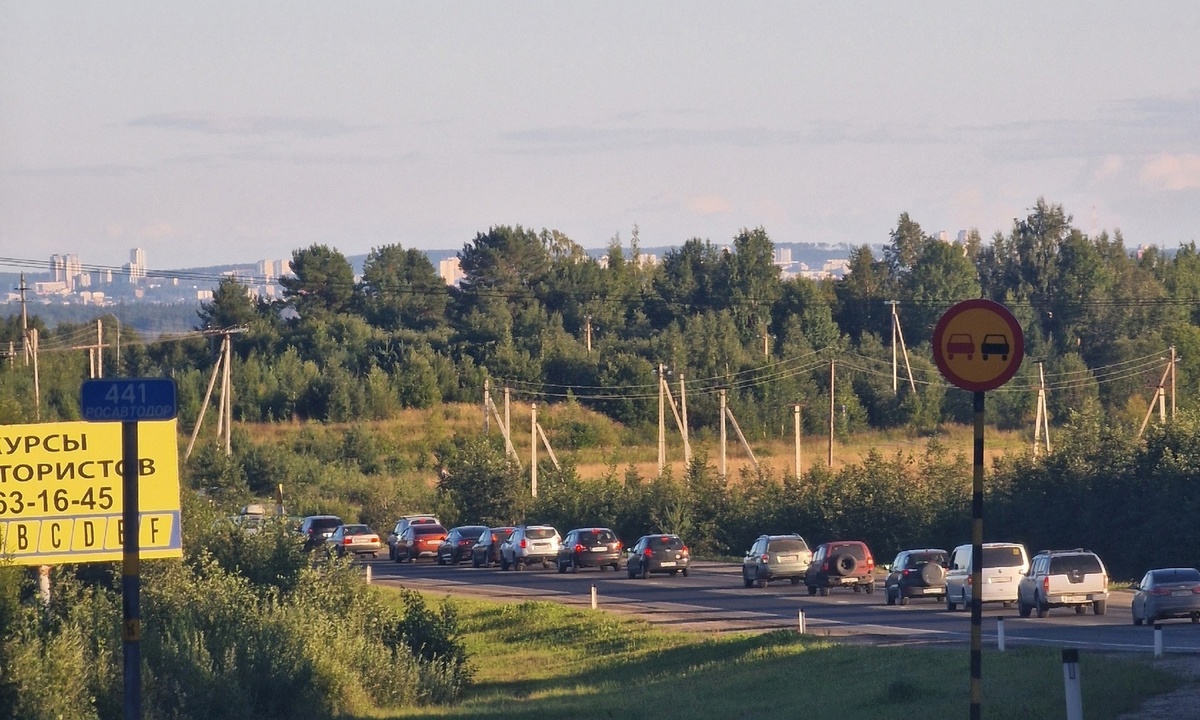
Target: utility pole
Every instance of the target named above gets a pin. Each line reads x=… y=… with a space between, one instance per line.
x=99 y=348
x=766 y=343
x=37 y=387
x=662 y=421
x=533 y=436
x=831 y=380
x=722 y=433
x=508 y=421
x=1157 y=399
x=24 y=321
x=1042 y=420
x=1174 y=361
x=687 y=445
x=895 y=385
x=796 y=427
x=588 y=332
x=897 y=332
x=487 y=401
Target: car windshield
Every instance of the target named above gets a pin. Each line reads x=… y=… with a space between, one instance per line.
x=788 y=545
x=539 y=533
x=357 y=530
x=1005 y=556
x=917 y=560
x=1067 y=564
x=597 y=536
x=665 y=541
x=1177 y=575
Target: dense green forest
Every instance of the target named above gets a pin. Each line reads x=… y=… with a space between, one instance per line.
x=1099 y=318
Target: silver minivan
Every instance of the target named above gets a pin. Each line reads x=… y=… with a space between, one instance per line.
x=1003 y=566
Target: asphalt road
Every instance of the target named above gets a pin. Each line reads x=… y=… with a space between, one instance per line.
x=713 y=598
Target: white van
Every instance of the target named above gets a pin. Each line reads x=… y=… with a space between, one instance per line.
x=1003 y=565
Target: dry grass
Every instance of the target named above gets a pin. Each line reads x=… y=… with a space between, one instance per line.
x=419 y=431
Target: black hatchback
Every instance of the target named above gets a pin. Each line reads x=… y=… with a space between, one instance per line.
x=917 y=573
x=589 y=547
x=657 y=554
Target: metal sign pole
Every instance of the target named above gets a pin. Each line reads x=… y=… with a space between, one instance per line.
x=977 y=566
x=131 y=572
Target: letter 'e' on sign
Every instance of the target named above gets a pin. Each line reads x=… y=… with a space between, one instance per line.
x=978 y=345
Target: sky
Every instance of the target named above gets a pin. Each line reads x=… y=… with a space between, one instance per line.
x=211 y=133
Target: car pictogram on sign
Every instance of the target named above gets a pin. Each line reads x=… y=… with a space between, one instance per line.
x=961 y=344
x=994 y=345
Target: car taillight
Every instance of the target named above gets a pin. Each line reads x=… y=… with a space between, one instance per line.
x=905 y=572
x=970 y=579
x=766 y=557
x=618 y=545
x=870 y=564
x=311 y=530
x=1162 y=591
x=648 y=552
x=373 y=538
x=1196 y=590
x=684 y=551
x=578 y=547
x=493 y=539
x=1046 y=584
x=464 y=542
x=347 y=541
x=522 y=543
x=825 y=566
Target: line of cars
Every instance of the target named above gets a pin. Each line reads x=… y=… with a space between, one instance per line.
x=1074 y=578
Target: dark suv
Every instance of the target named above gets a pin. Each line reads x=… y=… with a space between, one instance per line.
x=487 y=551
x=845 y=563
x=316 y=529
x=917 y=573
x=657 y=554
x=589 y=547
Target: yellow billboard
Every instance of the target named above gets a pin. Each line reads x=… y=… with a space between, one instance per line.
x=61 y=496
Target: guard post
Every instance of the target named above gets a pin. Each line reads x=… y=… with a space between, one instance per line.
x=978 y=346
x=128 y=401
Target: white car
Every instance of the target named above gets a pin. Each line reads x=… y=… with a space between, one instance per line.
x=530 y=544
x=1003 y=566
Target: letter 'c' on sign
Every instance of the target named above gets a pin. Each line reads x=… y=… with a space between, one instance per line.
x=978 y=345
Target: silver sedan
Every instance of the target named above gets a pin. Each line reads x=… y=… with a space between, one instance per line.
x=1167 y=593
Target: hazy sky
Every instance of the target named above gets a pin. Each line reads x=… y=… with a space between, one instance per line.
x=216 y=132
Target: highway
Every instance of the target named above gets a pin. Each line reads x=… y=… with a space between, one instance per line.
x=712 y=598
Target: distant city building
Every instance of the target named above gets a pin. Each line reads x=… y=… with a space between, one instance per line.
x=55 y=287
x=204 y=294
x=783 y=256
x=266 y=270
x=137 y=264
x=65 y=269
x=962 y=237
x=450 y=270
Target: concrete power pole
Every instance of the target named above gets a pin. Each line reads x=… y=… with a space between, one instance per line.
x=487 y=401
x=24 y=321
x=723 y=413
x=796 y=427
x=662 y=421
x=533 y=436
x=99 y=348
x=831 y=381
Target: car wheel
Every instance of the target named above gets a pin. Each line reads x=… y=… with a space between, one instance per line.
x=1022 y=609
x=374 y=555
x=1080 y=609
x=951 y=606
x=391 y=553
x=900 y=596
x=545 y=564
x=1150 y=619
x=629 y=572
x=887 y=596
x=474 y=561
x=1137 y=620
x=1101 y=606
x=812 y=590
x=685 y=572
x=516 y=564
x=674 y=573
x=616 y=567
x=441 y=560
x=645 y=572
x=759 y=581
x=795 y=581
x=503 y=563
x=870 y=587
x=562 y=569
x=858 y=588
x=1042 y=608
x=1195 y=618
x=574 y=566
x=823 y=592
x=746 y=581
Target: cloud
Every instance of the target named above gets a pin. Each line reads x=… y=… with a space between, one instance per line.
x=96 y=170
x=1110 y=167
x=158 y=230
x=709 y=205
x=1172 y=172
x=251 y=125
x=570 y=139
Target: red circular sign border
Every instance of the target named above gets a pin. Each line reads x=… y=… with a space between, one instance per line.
x=1018 y=350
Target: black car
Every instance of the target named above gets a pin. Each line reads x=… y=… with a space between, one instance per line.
x=589 y=547
x=917 y=573
x=316 y=529
x=657 y=554
x=458 y=544
x=486 y=551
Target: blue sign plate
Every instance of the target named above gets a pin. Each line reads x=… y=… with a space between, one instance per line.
x=128 y=399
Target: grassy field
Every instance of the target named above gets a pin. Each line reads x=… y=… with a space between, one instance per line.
x=617 y=448
x=543 y=660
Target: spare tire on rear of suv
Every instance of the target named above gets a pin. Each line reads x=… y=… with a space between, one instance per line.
x=845 y=564
x=933 y=574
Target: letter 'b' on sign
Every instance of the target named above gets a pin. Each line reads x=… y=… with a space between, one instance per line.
x=978 y=345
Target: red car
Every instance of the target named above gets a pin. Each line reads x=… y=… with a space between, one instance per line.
x=960 y=344
x=418 y=541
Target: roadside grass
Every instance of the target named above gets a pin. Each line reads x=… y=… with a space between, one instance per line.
x=545 y=660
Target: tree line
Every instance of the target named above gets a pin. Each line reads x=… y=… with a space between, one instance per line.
x=336 y=347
